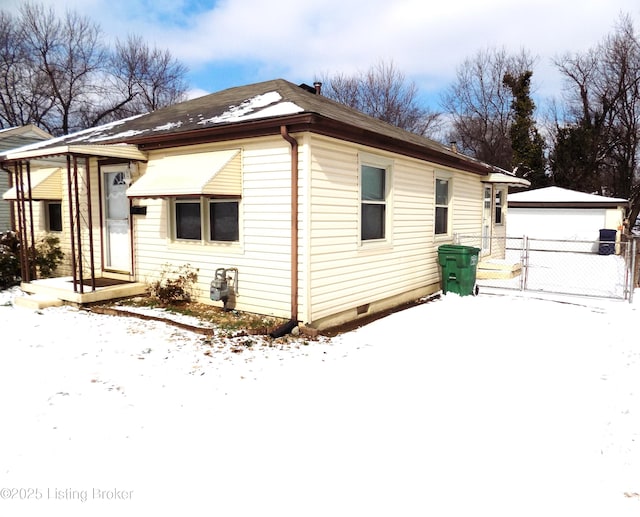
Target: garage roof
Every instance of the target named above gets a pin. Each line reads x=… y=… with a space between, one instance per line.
x=562 y=198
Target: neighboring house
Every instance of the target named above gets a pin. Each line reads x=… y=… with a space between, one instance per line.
x=305 y=208
x=11 y=138
x=563 y=214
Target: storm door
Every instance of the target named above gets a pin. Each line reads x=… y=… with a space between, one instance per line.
x=486 y=221
x=116 y=212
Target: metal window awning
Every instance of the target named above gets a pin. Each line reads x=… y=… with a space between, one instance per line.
x=45 y=184
x=506 y=179
x=212 y=173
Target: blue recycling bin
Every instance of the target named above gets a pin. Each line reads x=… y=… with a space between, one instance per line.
x=607 y=244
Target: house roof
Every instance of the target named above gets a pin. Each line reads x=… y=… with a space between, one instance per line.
x=13 y=137
x=561 y=197
x=256 y=110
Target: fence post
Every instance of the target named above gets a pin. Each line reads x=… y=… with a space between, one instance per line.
x=632 y=286
x=524 y=259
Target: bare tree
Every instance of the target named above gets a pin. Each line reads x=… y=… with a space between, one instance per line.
x=597 y=144
x=479 y=104
x=23 y=95
x=70 y=56
x=151 y=77
x=383 y=92
x=58 y=74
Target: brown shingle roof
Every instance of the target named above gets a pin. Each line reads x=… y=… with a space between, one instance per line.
x=260 y=109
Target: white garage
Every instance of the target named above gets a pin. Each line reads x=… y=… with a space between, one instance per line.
x=563 y=214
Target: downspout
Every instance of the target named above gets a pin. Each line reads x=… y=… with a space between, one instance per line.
x=288 y=327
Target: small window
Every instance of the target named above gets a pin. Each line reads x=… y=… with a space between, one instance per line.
x=442 y=206
x=499 y=206
x=373 y=202
x=188 y=219
x=223 y=220
x=54 y=216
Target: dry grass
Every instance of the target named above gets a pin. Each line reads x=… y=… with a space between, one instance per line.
x=232 y=321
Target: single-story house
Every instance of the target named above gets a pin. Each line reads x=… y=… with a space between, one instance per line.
x=11 y=138
x=562 y=214
x=306 y=209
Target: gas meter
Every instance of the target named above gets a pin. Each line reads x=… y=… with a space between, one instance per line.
x=220 y=285
x=224 y=286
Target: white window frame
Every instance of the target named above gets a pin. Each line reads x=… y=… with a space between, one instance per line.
x=47 y=215
x=440 y=176
x=205 y=230
x=378 y=162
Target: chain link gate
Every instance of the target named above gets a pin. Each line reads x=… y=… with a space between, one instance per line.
x=580 y=268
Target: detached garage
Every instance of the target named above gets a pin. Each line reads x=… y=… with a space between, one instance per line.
x=563 y=214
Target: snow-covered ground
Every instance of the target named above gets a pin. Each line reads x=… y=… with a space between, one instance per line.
x=500 y=404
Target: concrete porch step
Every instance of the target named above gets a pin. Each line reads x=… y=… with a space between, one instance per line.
x=497 y=269
x=36 y=301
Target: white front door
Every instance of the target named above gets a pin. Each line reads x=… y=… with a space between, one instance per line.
x=116 y=210
x=486 y=221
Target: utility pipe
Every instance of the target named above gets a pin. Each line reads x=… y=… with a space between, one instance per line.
x=294 y=221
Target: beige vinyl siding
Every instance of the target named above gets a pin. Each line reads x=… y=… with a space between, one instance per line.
x=344 y=274
x=467 y=204
x=38 y=210
x=5 y=207
x=263 y=254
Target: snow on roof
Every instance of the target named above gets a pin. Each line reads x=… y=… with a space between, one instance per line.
x=251 y=108
x=560 y=195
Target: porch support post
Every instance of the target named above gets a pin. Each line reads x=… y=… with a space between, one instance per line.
x=71 y=225
x=32 y=247
x=90 y=222
x=78 y=225
x=22 y=224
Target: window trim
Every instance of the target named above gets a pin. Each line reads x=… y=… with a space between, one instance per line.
x=386 y=164
x=47 y=216
x=442 y=176
x=205 y=226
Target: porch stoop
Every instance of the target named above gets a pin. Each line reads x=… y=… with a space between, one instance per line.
x=61 y=289
x=497 y=269
x=36 y=301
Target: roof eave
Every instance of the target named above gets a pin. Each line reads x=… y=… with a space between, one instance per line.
x=318 y=124
x=566 y=204
x=107 y=151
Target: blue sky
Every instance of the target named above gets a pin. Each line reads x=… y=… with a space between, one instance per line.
x=229 y=43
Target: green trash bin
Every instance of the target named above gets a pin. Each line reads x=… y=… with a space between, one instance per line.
x=458 y=265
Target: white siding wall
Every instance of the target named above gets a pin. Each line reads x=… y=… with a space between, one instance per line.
x=345 y=275
x=5 y=207
x=263 y=255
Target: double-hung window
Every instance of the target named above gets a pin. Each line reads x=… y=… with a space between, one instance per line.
x=443 y=198
x=374 y=188
x=206 y=219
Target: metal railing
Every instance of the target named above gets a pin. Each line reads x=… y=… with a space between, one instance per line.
x=600 y=269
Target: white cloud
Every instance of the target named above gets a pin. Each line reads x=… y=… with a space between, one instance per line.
x=299 y=40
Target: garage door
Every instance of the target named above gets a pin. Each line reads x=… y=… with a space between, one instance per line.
x=556 y=223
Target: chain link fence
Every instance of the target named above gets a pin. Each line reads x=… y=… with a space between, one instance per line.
x=603 y=269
